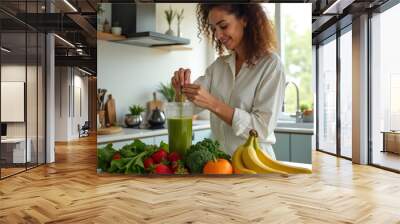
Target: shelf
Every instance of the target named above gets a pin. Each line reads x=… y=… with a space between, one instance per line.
x=109 y=36
x=174 y=48
x=112 y=37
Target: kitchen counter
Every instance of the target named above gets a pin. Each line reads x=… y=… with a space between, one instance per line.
x=307 y=131
x=134 y=133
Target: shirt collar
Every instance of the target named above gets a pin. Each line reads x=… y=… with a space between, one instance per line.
x=231 y=60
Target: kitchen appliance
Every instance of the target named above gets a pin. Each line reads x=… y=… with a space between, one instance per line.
x=138 y=23
x=157 y=119
x=179 y=122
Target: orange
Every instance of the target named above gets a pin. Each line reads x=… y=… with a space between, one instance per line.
x=220 y=166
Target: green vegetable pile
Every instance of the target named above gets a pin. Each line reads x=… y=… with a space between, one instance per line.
x=202 y=152
x=128 y=160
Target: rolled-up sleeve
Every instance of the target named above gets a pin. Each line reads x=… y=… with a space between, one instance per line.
x=205 y=82
x=267 y=102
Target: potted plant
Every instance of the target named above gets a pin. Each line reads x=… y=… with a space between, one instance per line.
x=168 y=91
x=169 y=16
x=308 y=113
x=116 y=29
x=134 y=118
x=100 y=12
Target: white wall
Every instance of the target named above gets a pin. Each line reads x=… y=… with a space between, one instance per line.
x=67 y=115
x=132 y=73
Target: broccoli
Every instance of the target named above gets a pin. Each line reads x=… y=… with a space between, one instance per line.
x=196 y=160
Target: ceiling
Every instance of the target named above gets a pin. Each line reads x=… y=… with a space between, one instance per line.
x=78 y=27
x=75 y=26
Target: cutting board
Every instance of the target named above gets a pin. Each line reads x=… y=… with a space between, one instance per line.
x=111 y=117
x=109 y=130
x=152 y=105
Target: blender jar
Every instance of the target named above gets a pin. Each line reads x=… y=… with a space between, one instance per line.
x=179 y=122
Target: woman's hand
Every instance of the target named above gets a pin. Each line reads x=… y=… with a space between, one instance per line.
x=202 y=98
x=199 y=96
x=180 y=78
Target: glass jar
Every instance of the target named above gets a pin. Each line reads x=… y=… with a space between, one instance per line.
x=179 y=123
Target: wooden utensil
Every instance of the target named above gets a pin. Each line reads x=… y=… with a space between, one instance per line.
x=111 y=117
x=152 y=105
x=109 y=130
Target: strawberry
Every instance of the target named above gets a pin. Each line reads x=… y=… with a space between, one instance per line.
x=173 y=157
x=159 y=156
x=162 y=169
x=148 y=163
x=117 y=156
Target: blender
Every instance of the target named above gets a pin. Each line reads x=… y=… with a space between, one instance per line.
x=179 y=121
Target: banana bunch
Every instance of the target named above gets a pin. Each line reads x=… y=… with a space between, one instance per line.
x=249 y=158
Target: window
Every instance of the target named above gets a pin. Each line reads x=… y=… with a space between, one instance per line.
x=327 y=96
x=294 y=37
x=346 y=94
x=385 y=87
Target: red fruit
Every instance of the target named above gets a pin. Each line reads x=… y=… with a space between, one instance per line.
x=148 y=163
x=159 y=156
x=117 y=156
x=162 y=169
x=174 y=156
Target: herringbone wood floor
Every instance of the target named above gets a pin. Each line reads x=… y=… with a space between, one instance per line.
x=70 y=191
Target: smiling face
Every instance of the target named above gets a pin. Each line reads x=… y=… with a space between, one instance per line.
x=228 y=29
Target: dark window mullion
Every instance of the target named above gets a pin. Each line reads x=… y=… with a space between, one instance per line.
x=317 y=96
x=338 y=98
x=26 y=87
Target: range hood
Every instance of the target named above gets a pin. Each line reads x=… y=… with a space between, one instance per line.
x=138 y=22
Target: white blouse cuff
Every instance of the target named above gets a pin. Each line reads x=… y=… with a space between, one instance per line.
x=240 y=122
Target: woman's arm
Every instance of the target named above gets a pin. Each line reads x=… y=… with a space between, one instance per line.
x=202 y=98
x=266 y=105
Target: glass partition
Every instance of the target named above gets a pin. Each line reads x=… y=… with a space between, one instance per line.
x=346 y=94
x=22 y=92
x=327 y=96
x=385 y=89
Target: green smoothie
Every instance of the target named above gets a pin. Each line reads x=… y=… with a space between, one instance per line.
x=179 y=134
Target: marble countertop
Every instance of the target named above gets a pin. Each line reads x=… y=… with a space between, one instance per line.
x=133 y=133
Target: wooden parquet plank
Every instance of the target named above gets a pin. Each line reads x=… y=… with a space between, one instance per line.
x=70 y=191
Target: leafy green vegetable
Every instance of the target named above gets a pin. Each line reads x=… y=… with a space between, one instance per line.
x=164 y=146
x=202 y=152
x=132 y=157
x=211 y=146
x=117 y=165
x=196 y=160
x=104 y=156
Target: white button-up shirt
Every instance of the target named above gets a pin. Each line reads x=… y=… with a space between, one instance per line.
x=256 y=94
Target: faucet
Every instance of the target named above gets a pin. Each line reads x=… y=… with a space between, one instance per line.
x=298 y=112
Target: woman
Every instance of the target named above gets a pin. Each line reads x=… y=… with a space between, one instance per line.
x=245 y=89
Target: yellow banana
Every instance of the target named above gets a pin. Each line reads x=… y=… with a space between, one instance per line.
x=275 y=164
x=250 y=159
x=237 y=163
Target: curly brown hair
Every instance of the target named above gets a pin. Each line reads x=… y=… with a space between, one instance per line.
x=259 y=36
